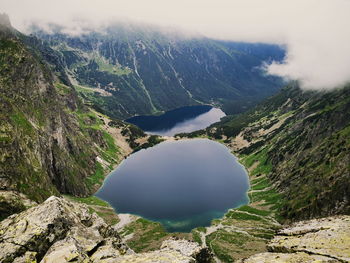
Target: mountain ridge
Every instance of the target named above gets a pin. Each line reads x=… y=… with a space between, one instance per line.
x=145 y=71
x=51 y=142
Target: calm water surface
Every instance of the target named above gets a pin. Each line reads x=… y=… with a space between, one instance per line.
x=181 y=184
x=185 y=119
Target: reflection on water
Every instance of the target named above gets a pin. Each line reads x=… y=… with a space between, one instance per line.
x=200 y=122
x=182 y=184
x=186 y=119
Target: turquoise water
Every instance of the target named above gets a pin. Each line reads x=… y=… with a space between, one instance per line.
x=181 y=184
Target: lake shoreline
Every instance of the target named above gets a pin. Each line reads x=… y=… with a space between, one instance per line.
x=184 y=178
x=247 y=218
x=243 y=218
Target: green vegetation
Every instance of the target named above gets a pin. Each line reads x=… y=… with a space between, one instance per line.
x=196 y=236
x=112 y=151
x=58 y=136
x=242 y=216
x=229 y=246
x=104 y=65
x=22 y=122
x=62 y=89
x=91 y=200
x=98 y=206
x=152 y=140
x=261 y=157
x=252 y=210
x=260 y=183
x=298 y=168
x=148 y=235
x=142 y=74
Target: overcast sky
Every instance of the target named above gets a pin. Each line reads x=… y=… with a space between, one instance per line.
x=316 y=32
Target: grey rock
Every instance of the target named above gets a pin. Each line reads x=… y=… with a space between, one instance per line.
x=59 y=230
x=317 y=240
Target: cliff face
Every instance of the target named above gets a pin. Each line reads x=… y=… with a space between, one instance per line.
x=301 y=142
x=50 y=142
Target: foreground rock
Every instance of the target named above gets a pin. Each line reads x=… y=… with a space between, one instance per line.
x=57 y=231
x=318 y=240
x=189 y=249
x=62 y=231
x=13 y=202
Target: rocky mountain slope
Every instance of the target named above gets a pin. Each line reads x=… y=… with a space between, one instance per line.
x=50 y=141
x=300 y=142
x=127 y=70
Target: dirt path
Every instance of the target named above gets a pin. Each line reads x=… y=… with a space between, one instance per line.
x=125 y=219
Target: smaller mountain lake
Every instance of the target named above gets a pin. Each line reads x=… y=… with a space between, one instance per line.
x=181 y=184
x=185 y=119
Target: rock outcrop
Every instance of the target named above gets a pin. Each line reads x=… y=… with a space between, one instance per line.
x=189 y=249
x=299 y=257
x=59 y=230
x=47 y=143
x=318 y=240
x=13 y=202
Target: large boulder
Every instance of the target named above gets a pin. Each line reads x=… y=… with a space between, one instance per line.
x=317 y=240
x=56 y=231
x=172 y=251
x=189 y=249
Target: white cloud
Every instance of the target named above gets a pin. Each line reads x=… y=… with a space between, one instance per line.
x=316 y=32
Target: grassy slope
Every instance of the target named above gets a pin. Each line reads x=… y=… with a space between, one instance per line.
x=304 y=137
x=295 y=147
x=246 y=230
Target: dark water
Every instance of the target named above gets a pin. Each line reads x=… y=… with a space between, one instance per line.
x=185 y=119
x=182 y=184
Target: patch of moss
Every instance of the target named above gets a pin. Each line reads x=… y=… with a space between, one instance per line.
x=255 y=211
x=261 y=156
x=196 y=236
x=97 y=178
x=261 y=184
x=21 y=121
x=62 y=89
x=104 y=65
